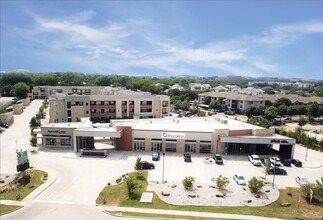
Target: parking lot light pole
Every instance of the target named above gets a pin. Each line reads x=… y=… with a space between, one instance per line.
x=163 y=166
x=274 y=174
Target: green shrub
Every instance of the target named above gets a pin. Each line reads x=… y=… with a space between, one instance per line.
x=222 y=182
x=255 y=185
x=132 y=185
x=188 y=182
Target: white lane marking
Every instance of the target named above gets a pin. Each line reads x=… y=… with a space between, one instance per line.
x=57 y=202
x=47 y=197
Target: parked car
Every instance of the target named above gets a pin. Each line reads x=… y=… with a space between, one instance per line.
x=277 y=170
x=147 y=165
x=254 y=159
x=285 y=161
x=296 y=162
x=275 y=161
x=239 y=179
x=301 y=180
x=187 y=157
x=1 y=129
x=218 y=159
x=156 y=155
x=314 y=132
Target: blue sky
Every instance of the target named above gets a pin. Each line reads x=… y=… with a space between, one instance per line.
x=210 y=38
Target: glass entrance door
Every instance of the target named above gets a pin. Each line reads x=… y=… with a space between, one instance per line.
x=139 y=146
x=190 y=148
x=156 y=147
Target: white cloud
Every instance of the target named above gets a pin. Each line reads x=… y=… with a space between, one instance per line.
x=108 y=47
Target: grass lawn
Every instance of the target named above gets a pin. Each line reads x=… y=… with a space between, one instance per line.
x=7 y=208
x=25 y=190
x=163 y=216
x=118 y=196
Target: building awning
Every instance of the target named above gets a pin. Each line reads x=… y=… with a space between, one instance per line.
x=55 y=137
x=249 y=139
x=98 y=132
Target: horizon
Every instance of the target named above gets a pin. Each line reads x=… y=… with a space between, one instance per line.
x=163 y=39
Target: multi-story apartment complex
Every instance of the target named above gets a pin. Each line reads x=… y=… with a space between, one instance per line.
x=40 y=92
x=102 y=108
x=232 y=101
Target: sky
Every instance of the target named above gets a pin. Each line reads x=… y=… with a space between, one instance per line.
x=208 y=38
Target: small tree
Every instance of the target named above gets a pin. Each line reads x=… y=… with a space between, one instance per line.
x=255 y=185
x=138 y=165
x=132 y=185
x=188 y=182
x=33 y=122
x=33 y=141
x=301 y=121
x=222 y=182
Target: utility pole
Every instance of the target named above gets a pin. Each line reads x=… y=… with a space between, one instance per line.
x=163 y=166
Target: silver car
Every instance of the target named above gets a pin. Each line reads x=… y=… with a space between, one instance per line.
x=301 y=180
x=239 y=179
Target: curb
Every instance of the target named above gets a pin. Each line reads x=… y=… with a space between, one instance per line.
x=16 y=209
x=44 y=188
x=135 y=217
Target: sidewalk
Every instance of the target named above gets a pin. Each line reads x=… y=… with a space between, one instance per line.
x=52 y=176
x=183 y=213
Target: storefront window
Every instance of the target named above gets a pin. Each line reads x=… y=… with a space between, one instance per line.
x=50 y=141
x=205 y=148
x=65 y=142
x=170 y=146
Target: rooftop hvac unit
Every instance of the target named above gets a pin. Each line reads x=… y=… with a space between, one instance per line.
x=225 y=122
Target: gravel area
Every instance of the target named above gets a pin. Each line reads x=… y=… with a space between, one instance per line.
x=206 y=196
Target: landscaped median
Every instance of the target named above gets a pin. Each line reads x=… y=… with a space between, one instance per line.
x=7 y=208
x=117 y=195
x=22 y=185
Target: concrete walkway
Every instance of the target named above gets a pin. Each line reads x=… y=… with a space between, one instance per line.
x=183 y=213
x=52 y=176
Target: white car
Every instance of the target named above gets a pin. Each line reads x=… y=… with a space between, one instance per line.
x=275 y=161
x=301 y=180
x=1 y=129
x=254 y=159
x=239 y=179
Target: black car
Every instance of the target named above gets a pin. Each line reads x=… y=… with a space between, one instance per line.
x=147 y=165
x=187 y=158
x=286 y=162
x=296 y=162
x=217 y=158
x=277 y=170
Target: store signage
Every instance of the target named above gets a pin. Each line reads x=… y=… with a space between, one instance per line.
x=57 y=131
x=173 y=135
x=23 y=161
x=278 y=141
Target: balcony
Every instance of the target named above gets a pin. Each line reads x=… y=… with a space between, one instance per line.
x=103 y=106
x=146 y=106
x=103 y=114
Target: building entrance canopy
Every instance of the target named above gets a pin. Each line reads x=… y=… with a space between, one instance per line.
x=98 y=132
x=248 y=139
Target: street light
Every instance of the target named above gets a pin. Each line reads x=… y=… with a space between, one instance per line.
x=274 y=173
x=163 y=166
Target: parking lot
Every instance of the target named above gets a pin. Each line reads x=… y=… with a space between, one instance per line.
x=175 y=169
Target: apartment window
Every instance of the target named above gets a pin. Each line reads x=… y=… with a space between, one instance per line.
x=69 y=120
x=97 y=103
x=69 y=113
x=131 y=110
x=87 y=112
x=251 y=103
x=56 y=120
x=102 y=110
x=112 y=102
x=55 y=104
x=145 y=102
x=68 y=104
x=92 y=110
x=55 y=112
x=87 y=103
x=131 y=102
x=106 y=103
x=146 y=110
x=123 y=102
x=92 y=103
x=124 y=110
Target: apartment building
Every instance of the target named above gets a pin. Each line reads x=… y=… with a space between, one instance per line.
x=102 y=108
x=232 y=101
x=40 y=92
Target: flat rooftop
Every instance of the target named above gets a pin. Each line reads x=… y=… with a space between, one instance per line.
x=198 y=124
x=84 y=123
